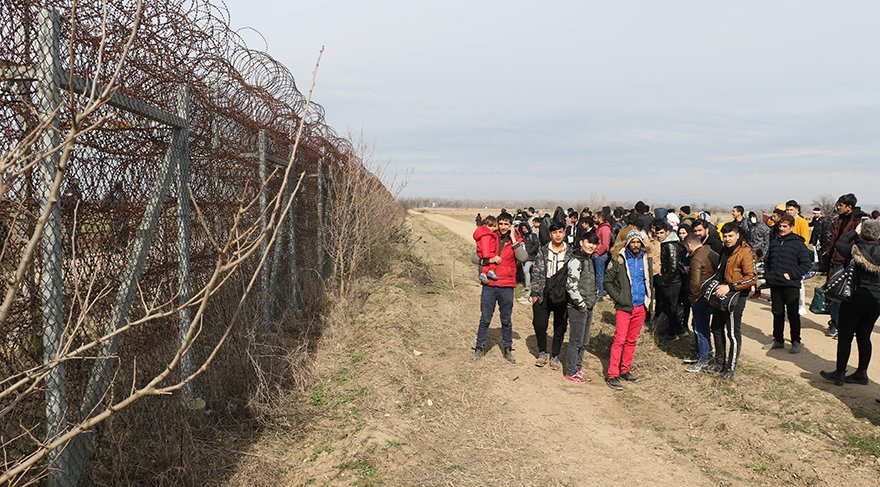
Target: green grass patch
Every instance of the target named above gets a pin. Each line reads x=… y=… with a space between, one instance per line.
x=365 y=473
x=397 y=445
x=868 y=443
x=318 y=398
x=759 y=468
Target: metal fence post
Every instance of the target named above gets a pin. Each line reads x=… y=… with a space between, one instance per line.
x=291 y=241
x=183 y=231
x=279 y=244
x=319 y=232
x=51 y=283
x=264 y=223
x=99 y=379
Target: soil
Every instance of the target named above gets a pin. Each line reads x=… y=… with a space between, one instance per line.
x=398 y=401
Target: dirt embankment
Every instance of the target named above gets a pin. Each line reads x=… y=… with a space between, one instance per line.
x=398 y=402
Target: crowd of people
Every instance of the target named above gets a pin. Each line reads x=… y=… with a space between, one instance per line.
x=683 y=274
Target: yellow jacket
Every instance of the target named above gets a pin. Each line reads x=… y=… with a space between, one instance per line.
x=802 y=228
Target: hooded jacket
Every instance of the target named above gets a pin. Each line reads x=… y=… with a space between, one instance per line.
x=618 y=279
x=865 y=255
x=530 y=240
x=539 y=269
x=603 y=231
x=704 y=261
x=487 y=242
x=581 y=280
x=787 y=255
x=760 y=239
x=671 y=260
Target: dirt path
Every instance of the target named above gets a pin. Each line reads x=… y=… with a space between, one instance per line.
x=398 y=401
x=819 y=351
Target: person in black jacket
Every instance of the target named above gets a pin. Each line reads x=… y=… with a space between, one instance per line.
x=668 y=283
x=709 y=234
x=530 y=240
x=787 y=261
x=860 y=313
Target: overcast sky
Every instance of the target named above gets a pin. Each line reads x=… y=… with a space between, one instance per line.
x=747 y=101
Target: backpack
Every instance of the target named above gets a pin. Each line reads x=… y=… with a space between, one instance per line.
x=556 y=290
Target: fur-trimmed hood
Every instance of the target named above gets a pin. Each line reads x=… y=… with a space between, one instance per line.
x=867 y=256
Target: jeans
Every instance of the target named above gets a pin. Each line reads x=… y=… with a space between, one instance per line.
x=857 y=317
x=600 y=262
x=578 y=338
x=627 y=327
x=541 y=319
x=728 y=325
x=527 y=274
x=702 y=312
x=504 y=297
x=835 y=305
x=785 y=300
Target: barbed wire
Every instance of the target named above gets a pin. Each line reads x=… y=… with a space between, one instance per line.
x=233 y=95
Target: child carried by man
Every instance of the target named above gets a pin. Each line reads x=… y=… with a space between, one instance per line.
x=487 y=247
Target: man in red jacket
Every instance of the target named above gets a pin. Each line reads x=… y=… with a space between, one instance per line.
x=501 y=290
x=600 y=256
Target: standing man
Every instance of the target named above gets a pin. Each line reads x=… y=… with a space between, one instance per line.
x=551 y=259
x=602 y=253
x=499 y=291
x=801 y=225
x=628 y=282
x=745 y=229
x=848 y=217
x=668 y=282
x=736 y=269
x=787 y=261
x=707 y=235
x=704 y=261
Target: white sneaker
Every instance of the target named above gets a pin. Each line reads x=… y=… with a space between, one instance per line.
x=802 y=311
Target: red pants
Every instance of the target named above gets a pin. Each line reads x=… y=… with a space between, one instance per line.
x=626 y=333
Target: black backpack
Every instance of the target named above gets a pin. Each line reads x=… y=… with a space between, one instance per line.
x=556 y=291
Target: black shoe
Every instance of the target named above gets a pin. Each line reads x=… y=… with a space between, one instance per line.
x=727 y=375
x=614 y=383
x=508 y=355
x=629 y=377
x=478 y=353
x=832 y=332
x=835 y=377
x=857 y=377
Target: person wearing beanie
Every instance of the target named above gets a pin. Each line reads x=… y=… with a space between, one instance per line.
x=628 y=283
x=858 y=315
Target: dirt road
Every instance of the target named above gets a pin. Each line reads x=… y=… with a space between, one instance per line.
x=819 y=351
x=399 y=401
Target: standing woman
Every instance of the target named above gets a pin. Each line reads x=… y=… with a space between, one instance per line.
x=551 y=259
x=858 y=315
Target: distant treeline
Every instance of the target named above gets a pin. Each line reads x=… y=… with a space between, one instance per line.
x=547 y=205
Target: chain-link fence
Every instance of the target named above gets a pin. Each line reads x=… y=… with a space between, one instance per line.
x=175 y=170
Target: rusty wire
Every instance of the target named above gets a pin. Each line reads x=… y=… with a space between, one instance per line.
x=235 y=93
